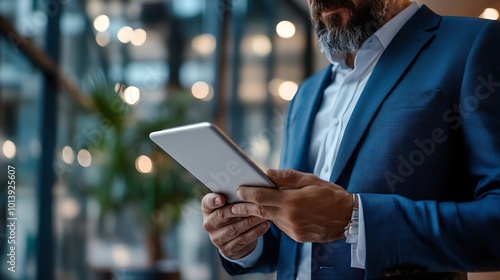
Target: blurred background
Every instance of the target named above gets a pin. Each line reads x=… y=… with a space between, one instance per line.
x=83 y=83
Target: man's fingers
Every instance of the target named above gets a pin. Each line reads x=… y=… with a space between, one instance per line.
x=250 y=209
x=221 y=217
x=241 y=241
x=211 y=202
x=260 y=195
x=289 y=178
x=233 y=230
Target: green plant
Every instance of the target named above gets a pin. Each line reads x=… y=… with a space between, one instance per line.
x=160 y=193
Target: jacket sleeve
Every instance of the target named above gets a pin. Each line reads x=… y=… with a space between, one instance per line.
x=450 y=236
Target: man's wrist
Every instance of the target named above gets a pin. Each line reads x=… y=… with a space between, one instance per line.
x=351 y=230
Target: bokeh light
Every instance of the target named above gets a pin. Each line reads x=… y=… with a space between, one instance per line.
x=285 y=29
x=490 y=13
x=252 y=92
x=139 y=37
x=69 y=208
x=201 y=90
x=84 y=158
x=101 y=23
x=261 y=45
x=131 y=95
x=204 y=44
x=68 y=155
x=287 y=90
x=102 y=38
x=274 y=86
x=143 y=164
x=9 y=149
x=125 y=34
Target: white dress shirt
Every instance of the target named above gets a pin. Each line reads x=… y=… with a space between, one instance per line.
x=339 y=100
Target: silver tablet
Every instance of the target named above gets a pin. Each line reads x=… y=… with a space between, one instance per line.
x=207 y=153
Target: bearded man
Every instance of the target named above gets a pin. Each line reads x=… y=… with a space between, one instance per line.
x=392 y=155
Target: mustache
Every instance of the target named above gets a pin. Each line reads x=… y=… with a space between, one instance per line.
x=319 y=6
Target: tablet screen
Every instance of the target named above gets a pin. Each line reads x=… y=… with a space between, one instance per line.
x=207 y=153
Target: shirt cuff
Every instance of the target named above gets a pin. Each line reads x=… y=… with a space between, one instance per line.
x=250 y=259
x=358 y=240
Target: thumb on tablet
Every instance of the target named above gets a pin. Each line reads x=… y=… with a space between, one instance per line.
x=212 y=201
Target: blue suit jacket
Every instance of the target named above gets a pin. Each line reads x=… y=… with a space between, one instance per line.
x=422 y=148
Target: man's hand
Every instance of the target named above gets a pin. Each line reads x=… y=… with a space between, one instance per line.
x=305 y=207
x=233 y=234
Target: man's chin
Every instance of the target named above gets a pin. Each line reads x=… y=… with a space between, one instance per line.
x=335 y=21
x=331 y=44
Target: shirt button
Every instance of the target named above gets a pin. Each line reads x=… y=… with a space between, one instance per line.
x=327 y=168
x=335 y=121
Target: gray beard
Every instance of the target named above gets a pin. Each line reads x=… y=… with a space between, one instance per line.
x=352 y=37
x=341 y=41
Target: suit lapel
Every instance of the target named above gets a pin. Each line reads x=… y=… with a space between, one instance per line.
x=308 y=100
x=303 y=120
x=398 y=56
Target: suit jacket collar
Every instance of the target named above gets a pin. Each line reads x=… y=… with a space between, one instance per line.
x=303 y=118
x=390 y=69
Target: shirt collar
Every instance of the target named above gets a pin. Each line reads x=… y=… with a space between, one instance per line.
x=385 y=34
